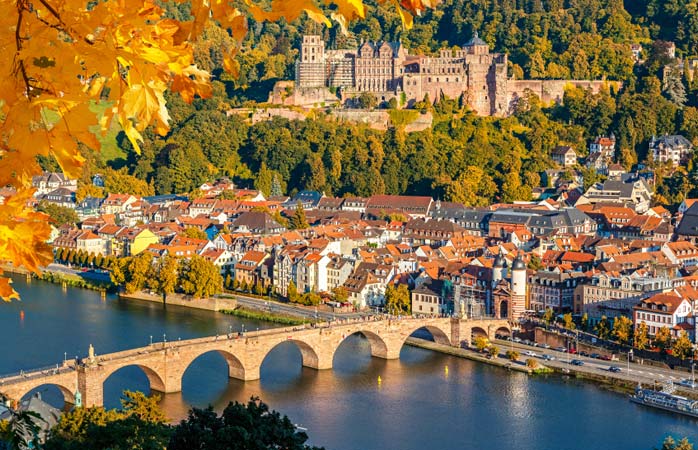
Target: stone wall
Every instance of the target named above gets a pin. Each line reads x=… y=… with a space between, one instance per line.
x=550 y=91
x=209 y=304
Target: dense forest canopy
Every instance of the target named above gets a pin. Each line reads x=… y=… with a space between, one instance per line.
x=475 y=160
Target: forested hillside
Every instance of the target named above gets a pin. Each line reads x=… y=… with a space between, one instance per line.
x=463 y=157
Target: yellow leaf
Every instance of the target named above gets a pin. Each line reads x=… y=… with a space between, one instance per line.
x=231 y=65
x=406 y=18
x=7 y=293
x=350 y=9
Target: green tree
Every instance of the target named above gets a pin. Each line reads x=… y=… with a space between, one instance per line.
x=682 y=347
x=535 y=263
x=603 y=328
x=662 y=338
x=310 y=299
x=264 y=180
x=340 y=294
x=641 y=336
x=139 y=424
x=548 y=316
x=292 y=292
x=276 y=188
x=195 y=233
x=493 y=351
x=366 y=101
x=623 y=329
x=674 y=88
x=513 y=355
x=568 y=322
x=531 y=363
x=166 y=276
x=239 y=427
x=481 y=343
x=297 y=221
x=585 y=322
x=60 y=215
x=200 y=278
x=397 y=299
x=117 y=272
x=120 y=182
x=670 y=444
x=137 y=272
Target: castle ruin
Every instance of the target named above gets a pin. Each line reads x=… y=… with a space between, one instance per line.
x=387 y=70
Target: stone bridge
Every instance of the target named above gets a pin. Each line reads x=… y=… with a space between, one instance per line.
x=165 y=363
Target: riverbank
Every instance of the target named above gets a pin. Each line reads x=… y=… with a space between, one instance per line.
x=608 y=382
x=65 y=279
x=214 y=304
x=245 y=313
x=467 y=354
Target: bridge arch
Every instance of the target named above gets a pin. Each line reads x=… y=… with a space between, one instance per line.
x=66 y=392
x=477 y=331
x=236 y=369
x=312 y=357
x=502 y=331
x=440 y=336
x=379 y=347
x=155 y=379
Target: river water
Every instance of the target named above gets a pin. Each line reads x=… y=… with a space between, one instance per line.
x=425 y=400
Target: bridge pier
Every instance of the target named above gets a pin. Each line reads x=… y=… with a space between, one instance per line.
x=91 y=386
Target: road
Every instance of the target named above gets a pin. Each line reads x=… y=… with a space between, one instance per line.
x=630 y=372
x=87 y=274
x=304 y=311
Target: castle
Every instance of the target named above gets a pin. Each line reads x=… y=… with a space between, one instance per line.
x=387 y=70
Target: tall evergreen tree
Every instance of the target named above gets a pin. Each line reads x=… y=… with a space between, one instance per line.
x=298 y=221
x=674 y=89
x=276 y=187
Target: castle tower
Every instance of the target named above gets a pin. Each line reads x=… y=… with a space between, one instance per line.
x=310 y=67
x=518 y=288
x=476 y=46
x=499 y=269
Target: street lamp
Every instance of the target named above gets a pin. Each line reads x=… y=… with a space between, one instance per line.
x=65 y=357
x=630 y=355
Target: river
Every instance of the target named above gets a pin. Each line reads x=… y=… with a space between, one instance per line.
x=425 y=399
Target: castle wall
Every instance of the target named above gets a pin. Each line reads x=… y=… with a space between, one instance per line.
x=549 y=91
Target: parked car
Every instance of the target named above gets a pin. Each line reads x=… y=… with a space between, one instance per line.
x=548 y=357
x=595 y=356
x=605 y=357
x=583 y=353
x=546 y=346
x=577 y=362
x=573 y=351
x=530 y=353
x=614 y=369
x=517 y=340
x=561 y=349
